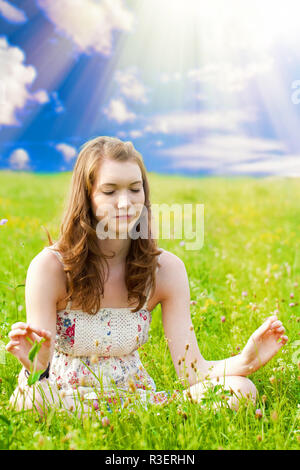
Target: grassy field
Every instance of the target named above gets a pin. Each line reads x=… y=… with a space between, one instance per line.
x=248 y=267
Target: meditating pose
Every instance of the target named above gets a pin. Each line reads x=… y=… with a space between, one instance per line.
x=90 y=295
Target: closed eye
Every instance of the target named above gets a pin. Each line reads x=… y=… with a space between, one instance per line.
x=133 y=190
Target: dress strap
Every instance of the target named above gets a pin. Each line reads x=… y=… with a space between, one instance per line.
x=57 y=253
x=68 y=307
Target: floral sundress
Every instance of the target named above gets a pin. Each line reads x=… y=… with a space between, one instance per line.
x=98 y=354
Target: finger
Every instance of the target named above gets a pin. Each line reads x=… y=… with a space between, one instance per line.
x=276 y=329
x=272 y=318
x=17 y=332
x=276 y=323
x=277 y=332
x=11 y=345
x=284 y=338
x=40 y=332
x=263 y=328
x=19 y=324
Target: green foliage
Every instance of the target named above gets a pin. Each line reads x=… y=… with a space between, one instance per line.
x=34 y=374
x=35 y=349
x=251 y=245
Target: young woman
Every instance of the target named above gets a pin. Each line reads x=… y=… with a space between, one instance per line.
x=90 y=297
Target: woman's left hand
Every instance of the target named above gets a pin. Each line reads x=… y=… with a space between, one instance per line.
x=263 y=344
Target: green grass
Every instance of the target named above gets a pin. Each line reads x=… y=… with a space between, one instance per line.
x=251 y=243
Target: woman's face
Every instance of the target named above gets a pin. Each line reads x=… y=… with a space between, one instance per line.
x=118 y=191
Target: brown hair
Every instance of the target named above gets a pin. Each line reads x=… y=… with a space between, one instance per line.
x=78 y=242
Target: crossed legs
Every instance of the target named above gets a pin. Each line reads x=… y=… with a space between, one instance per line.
x=238 y=386
x=25 y=397
x=42 y=396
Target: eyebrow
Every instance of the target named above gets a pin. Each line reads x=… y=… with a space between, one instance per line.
x=113 y=184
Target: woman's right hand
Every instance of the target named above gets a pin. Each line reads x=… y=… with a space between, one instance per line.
x=19 y=346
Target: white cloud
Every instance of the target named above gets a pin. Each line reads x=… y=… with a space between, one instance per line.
x=135 y=134
x=58 y=105
x=118 y=111
x=193 y=164
x=121 y=134
x=235 y=154
x=68 y=151
x=130 y=85
x=191 y=122
x=11 y=13
x=40 y=96
x=88 y=23
x=283 y=166
x=229 y=77
x=225 y=149
x=19 y=160
x=287 y=165
x=15 y=78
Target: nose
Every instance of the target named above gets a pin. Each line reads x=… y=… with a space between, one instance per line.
x=123 y=202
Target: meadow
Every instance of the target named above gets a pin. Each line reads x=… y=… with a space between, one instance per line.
x=248 y=267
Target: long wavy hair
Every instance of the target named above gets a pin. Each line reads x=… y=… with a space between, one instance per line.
x=79 y=244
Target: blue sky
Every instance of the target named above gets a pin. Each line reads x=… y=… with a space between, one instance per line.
x=199 y=88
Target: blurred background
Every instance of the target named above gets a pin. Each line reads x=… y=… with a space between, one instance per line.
x=200 y=88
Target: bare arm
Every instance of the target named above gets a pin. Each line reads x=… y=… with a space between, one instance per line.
x=188 y=361
x=42 y=288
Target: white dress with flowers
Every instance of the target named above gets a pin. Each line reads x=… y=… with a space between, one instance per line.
x=99 y=353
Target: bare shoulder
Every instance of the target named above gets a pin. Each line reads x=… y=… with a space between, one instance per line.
x=46 y=271
x=46 y=259
x=171 y=276
x=169 y=260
